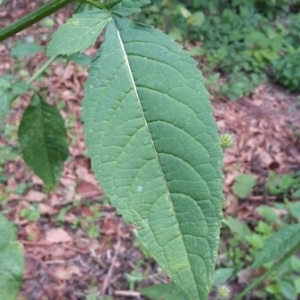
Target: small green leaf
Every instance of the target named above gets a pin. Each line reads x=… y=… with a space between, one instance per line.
x=169 y=291
x=274 y=289
x=281 y=242
x=80 y=59
x=129 y=7
x=295 y=264
x=26 y=49
x=78 y=33
x=288 y=290
x=294 y=208
x=4 y=83
x=296 y=193
x=240 y=228
x=264 y=228
x=11 y=261
x=222 y=275
x=20 y=87
x=184 y=11
x=7 y=92
x=256 y=240
x=43 y=140
x=7 y=154
x=268 y=213
x=176 y=34
x=297 y=285
x=196 y=19
x=243 y=185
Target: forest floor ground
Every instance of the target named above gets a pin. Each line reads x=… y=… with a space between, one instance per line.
x=74 y=242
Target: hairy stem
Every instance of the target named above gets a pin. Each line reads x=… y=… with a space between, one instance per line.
x=267 y=274
x=32 y=18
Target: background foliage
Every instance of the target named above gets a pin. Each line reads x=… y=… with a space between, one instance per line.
x=243 y=41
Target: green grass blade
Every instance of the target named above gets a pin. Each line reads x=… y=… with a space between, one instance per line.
x=278 y=244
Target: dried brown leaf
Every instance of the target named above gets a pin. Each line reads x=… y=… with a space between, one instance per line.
x=58 y=235
x=35 y=196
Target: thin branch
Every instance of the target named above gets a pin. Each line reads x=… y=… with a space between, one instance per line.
x=43 y=265
x=111 y=267
x=127 y=293
x=35 y=75
x=32 y=18
x=42 y=69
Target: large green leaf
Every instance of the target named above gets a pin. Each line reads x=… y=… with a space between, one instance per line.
x=128 y=7
x=280 y=243
x=11 y=261
x=78 y=33
x=43 y=140
x=154 y=147
x=169 y=291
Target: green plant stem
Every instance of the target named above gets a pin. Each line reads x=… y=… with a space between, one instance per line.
x=32 y=18
x=267 y=274
x=42 y=69
x=36 y=75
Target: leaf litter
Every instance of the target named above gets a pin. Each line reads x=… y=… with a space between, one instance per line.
x=62 y=260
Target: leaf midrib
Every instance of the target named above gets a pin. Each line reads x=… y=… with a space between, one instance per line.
x=45 y=142
x=151 y=140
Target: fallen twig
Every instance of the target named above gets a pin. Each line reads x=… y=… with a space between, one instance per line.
x=127 y=293
x=111 y=267
x=47 y=244
x=44 y=266
x=41 y=244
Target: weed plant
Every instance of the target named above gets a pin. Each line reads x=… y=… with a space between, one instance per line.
x=245 y=41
